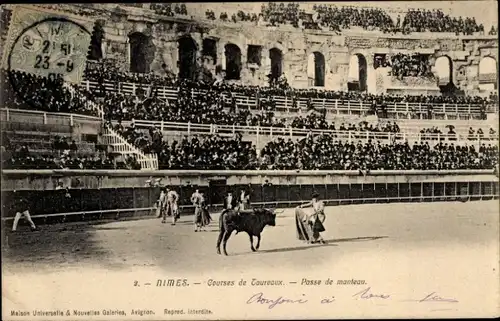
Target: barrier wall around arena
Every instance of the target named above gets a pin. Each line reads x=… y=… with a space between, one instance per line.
x=274 y=189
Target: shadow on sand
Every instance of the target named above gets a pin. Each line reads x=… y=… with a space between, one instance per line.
x=331 y=242
x=55 y=244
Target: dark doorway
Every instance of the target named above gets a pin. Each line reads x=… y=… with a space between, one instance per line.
x=187 y=58
x=254 y=54
x=233 y=61
x=141 y=52
x=319 y=69
x=276 y=57
x=217 y=191
x=210 y=49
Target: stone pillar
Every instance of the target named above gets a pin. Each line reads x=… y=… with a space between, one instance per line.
x=371 y=77
x=245 y=74
x=221 y=54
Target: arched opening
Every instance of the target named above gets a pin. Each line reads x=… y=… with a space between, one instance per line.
x=358 y=68
x=276 y=57
x=141 y=52
x=444 y=72
x=187 y=58
x=316 y=69
x=488 y=74
x=95 y=50
x=233 y=61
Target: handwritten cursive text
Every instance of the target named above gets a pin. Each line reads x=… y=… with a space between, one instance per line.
x=433 y=297
x=271 y=303
x=366 y=294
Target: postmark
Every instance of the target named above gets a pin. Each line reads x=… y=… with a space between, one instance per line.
x=44 y=54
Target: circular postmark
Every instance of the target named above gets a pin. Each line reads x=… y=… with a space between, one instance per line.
x=42 y=56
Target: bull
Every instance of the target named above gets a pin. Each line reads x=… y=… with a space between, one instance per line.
x=250 y=222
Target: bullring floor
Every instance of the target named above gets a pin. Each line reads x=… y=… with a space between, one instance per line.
x=407 y=250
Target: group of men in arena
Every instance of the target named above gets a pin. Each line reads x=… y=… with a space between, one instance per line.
x=167 y=205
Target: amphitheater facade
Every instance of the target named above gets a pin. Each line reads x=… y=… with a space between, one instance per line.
x=259 y=49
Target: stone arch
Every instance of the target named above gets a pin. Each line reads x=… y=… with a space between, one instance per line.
x=443 y=67
x=488 y=73
x=142 y=52
x=316 y=69
x=276 y=58
x=233 y=61
x=358 y=73
x=187 y=57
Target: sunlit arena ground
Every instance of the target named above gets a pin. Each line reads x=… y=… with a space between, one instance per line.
x=430 y=230
x=420 y=243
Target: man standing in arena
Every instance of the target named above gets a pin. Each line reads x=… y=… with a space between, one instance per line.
x=22 y=210
x=171 y=208
x=161 y=203
x=197 y=199
x=243 y=200
x=230 y=202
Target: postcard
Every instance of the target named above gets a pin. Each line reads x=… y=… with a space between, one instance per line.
x=233 y=161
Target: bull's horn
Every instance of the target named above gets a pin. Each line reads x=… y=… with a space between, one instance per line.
x=278 y=212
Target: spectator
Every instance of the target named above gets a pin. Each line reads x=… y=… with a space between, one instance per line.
x=416 y=65
x=40 y=93
x=436 y=21
x=322 y=152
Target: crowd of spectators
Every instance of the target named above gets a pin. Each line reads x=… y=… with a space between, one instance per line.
x=62 y=162
x=318 y=121
x=60 y=158
x=405 y=65
x=437 y=21
x=210 y=152
x=22 y=90
x=479 y=134
x=327 y=16
x=210 y=14
x=165 y=9
x=210 y=107
x=107 y=71
x=324 y=152
x=340 y=18
x=320 y=152
x=235 y=17
x=61 y=155
x=434 y=132
x=101 y=74
x=198 y=152
x=279 y=13
x=345 y=17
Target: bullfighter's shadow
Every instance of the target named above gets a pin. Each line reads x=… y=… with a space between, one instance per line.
x=357 y=239
x=329 y=243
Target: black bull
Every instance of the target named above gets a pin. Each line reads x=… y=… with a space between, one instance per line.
x=250 y=222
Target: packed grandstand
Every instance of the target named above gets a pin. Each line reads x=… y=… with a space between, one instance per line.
x=300 y=124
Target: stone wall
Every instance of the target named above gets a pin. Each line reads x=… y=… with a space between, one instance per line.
x=96 y=179
x=296 y=45
x=119 y=194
